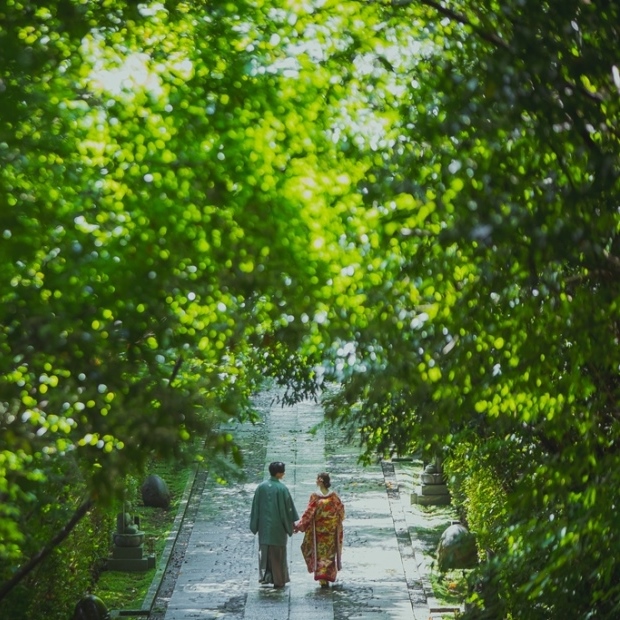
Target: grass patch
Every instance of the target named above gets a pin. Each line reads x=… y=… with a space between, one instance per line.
x=429 y=537
x=127 y=590
x=450 y=588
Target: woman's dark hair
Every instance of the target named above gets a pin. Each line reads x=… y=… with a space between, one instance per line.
x=324 y=478
x=277 y=467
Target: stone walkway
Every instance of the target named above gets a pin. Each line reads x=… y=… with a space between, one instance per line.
x=381 y=578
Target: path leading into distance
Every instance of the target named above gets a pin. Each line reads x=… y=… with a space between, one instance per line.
x=217 y=574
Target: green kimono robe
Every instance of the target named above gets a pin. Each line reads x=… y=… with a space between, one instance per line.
x=273 y=513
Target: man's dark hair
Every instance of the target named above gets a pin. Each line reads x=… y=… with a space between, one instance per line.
x=277 y=467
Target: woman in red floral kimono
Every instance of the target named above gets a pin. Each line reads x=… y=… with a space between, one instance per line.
x=322 y=524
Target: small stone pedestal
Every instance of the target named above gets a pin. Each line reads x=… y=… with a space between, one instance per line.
x=127 y=552
x=433 y=489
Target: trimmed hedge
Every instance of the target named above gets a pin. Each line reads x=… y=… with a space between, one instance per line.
x=478 y=494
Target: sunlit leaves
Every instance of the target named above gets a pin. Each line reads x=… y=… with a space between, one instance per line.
x=483 y=202
x=418 y=201
x=166 y=216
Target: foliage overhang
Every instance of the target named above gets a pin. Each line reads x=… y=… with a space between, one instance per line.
x=415 y=201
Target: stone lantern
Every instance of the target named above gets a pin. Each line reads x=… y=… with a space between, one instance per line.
x=128 y=539
x=432 y=489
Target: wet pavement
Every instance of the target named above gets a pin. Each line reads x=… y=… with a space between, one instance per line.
x=215 y=564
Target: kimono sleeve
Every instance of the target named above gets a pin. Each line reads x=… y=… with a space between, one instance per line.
x=288 y=511
x=340 y=509
x=306 y=518
x=254 y=513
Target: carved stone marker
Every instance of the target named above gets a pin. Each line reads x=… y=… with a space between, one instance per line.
x=90 y=607
x=155 y=492
x=456 y=548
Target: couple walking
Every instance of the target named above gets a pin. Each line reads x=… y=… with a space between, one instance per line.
x=274 y=517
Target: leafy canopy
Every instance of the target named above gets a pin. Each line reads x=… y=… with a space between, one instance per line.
x=414 y=201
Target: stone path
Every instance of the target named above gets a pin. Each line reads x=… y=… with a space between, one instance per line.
x=218 y=573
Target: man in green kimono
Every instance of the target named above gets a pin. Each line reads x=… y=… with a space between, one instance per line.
x=273 y=518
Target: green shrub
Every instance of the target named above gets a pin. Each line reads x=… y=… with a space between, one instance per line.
x=74 y=568
x=478 y=493
x=52 y=590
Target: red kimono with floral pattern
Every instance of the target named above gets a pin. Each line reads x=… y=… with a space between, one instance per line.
x=322 y=544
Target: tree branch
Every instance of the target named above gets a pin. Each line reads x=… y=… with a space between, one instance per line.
x=494 y=39
x=36 y=559
x=489 y=37
x=175 y=370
